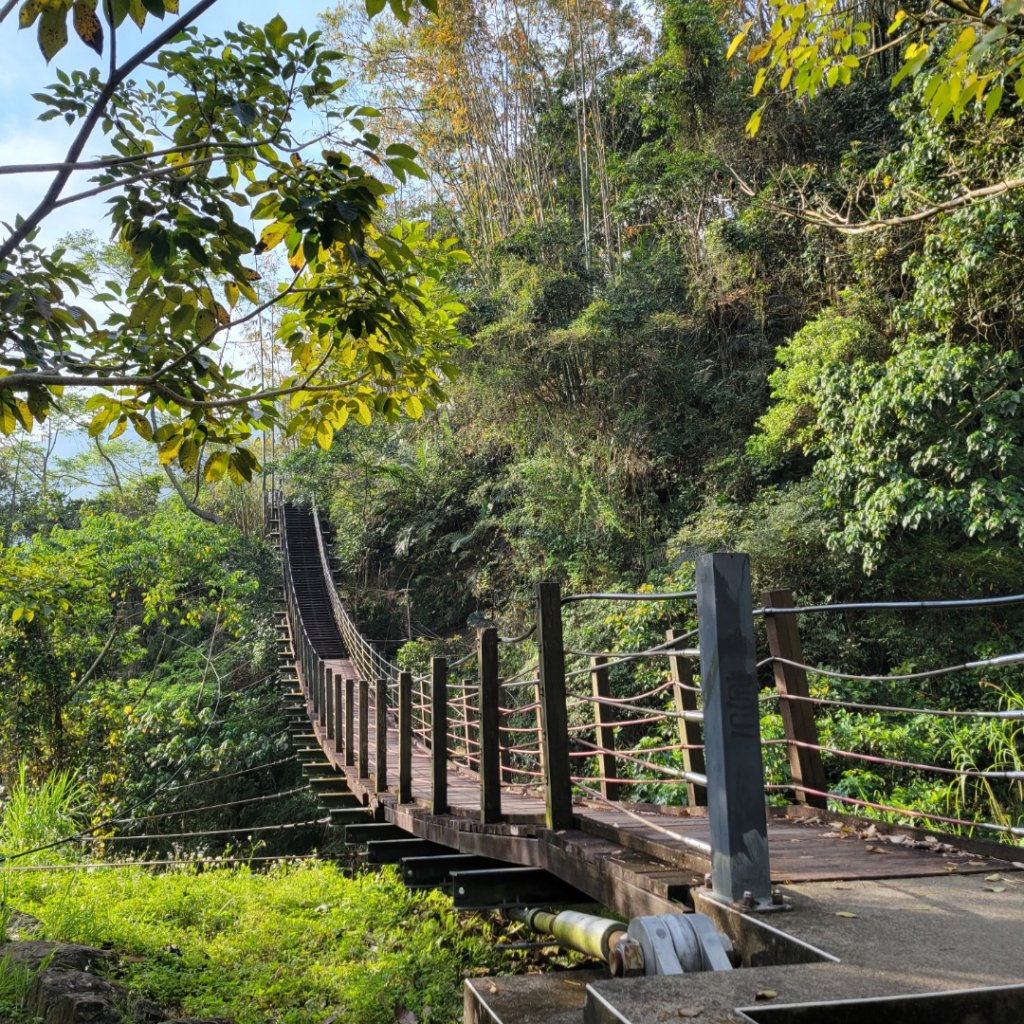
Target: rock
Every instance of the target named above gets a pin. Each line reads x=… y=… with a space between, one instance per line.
x=75 y=997
x=20 y=925
x=60 y=956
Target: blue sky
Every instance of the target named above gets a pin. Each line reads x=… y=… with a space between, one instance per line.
x=23 y=139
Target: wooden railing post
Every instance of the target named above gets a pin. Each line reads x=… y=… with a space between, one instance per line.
x=798 y=721
x=339 y=715
x=321 y=679
x=404 y=737
x=350 y=723
x=467 y=729
x=381 y=717
x=604 y=727
x=439 y=729
x=490 y=736
x=690 y=733
x=364 y=728
x=554 y=719
x=329 y=702
x=732 y=730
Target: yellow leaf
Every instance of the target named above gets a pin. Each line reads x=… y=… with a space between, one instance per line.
x=231 y=293
x=324 y=435
x=216 y=466
x=206 y=324
x=413 y=407
x=272 y=234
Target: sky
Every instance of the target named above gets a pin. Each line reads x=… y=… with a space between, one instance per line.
x=24 y=139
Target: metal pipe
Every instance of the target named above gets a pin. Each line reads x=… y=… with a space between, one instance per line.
x=585 y=933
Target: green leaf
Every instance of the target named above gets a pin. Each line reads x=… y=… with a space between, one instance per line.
x=168 y=451
x=53 y=32
x=206 y=324
x=30 y=10
x=275 y=30
x=272 y=235
x=374 y=7
x=216 y=467
x=8 y=423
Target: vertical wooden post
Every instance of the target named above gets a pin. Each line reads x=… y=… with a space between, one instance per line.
x=690 y=733
x=439 y=729
x=322 y=678
x=350 y=722
x=381 y=720
x=339 y=715
x=404 y=737
x=490 y=737
x=329 y=702
x=604 y=722
x=541 y=762
x=554 y=718
x=467 y=728
x=732 y=730
x=798 y=721
x=364 y=728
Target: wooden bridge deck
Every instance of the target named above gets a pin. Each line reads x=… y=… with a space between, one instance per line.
x=641 y=859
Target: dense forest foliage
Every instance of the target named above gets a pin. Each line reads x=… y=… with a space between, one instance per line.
x=674 y=347
x=618 y=285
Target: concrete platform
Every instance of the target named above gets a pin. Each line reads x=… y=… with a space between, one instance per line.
x=878 y=938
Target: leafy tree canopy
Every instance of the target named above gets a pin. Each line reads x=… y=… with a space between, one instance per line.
x=193 y=150
x=969 y=53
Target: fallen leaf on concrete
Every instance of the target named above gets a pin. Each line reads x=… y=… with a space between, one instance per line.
x=950 y=867
x=875 y=849
x=994 y=878
x=766 y=993
x=846 y=913
x=976 y=863
x=492 y=988
x=690 y=1011
x=995 y=888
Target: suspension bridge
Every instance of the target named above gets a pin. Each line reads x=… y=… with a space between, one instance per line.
x=516 y=790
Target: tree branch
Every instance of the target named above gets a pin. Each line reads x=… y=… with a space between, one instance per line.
x=209 y=517
x=838 y=222
x=46 y=204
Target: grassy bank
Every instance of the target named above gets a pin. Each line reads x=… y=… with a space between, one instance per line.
x=294 y=945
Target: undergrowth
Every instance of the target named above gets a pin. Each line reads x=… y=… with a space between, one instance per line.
x=298 y=944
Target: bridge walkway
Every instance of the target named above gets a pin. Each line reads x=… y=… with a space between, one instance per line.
x=634 y=858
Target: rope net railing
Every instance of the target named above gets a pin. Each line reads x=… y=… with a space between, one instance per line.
x=939 y=746
x=634 y=717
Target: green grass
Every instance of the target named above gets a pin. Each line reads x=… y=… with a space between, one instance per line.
x=294 y=945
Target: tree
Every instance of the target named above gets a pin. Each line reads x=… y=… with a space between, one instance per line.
x=962 y=57
x=209 y=141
